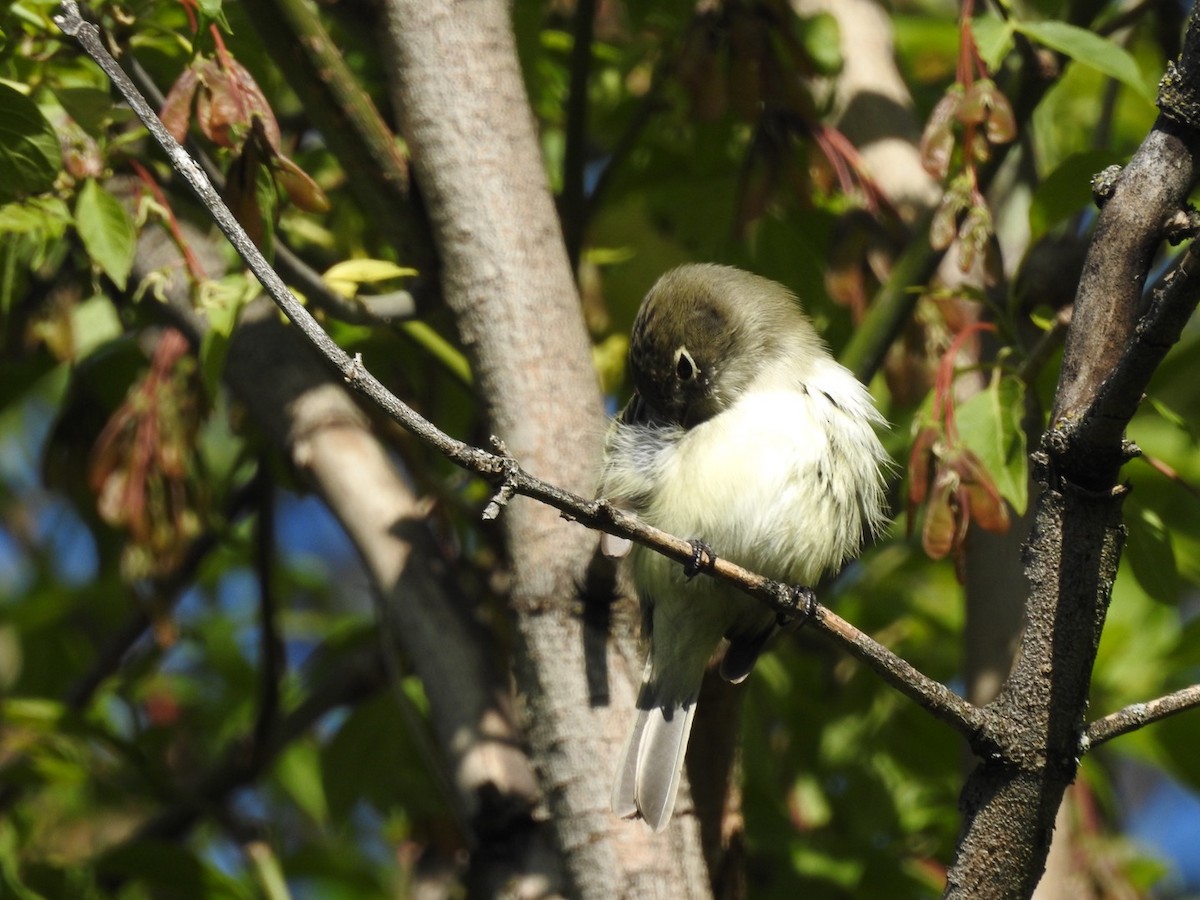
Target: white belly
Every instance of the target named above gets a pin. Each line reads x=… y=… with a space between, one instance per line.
x=763 y=486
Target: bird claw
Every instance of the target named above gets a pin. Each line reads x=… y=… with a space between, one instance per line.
x=702 y=559
x=804 y=602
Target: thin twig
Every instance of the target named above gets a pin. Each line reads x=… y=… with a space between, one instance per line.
x=503 y=470
x=1133 y=717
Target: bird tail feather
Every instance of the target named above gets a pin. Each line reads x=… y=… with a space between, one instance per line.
x=652 y=764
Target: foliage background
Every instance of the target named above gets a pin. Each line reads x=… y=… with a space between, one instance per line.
x=171 y=625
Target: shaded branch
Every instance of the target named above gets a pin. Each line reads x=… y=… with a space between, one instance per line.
x=1137 y=715
x=270 y=646
x=573 y=204
x=1172 y=303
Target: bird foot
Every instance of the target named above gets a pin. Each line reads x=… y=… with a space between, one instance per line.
x=804 y=602
x=703 y=559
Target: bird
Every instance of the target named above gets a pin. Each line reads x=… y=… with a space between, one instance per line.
x=746 y=436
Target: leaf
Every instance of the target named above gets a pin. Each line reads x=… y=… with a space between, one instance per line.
x=1169 y=415
x=822 y=41
x=1151 y=555
x=373 y=758
x=1065 y=191
x=937 y=143
x=1091 y=50
x=38 y=215
x=299 y=771
x=176 y=111
x=438 y=347
x=990 y=425
x=30 y=157
x=229 y=103
x=346 y=276
x=299 y=186
x=107 y=231
x=211 y=11
x=94 y=322
x=993 y=39
x=90 y=107
x=941 y=530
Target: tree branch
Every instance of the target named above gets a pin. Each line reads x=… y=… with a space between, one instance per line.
x=272 y=658
x=1113 y=345
x=1137 y=715
x=573 y=203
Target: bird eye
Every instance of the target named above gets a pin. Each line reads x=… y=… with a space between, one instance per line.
x=685 y=366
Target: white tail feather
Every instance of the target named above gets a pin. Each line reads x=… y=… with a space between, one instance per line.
x=651 y=767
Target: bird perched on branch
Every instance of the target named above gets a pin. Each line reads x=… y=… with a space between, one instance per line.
x=745 y=435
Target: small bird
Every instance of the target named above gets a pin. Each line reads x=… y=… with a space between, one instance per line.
x=746 y=436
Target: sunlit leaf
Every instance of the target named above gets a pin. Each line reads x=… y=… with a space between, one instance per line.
x=348 y=275
x=993 y=38
x=94 y=322
x=299 y=186
x=107 y=231
x=990 y=423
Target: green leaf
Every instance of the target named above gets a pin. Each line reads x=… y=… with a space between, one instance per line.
x=346 y=276
x=299 y=771
x=107 y=231
x=30 y=158
x=990 y=425
x=1151 y=555
x=1066 y=190
x=222 y=302
x=374 y=758
x=439 y=348
x=1089 y=49
x=47 y=216
x=993 y=39
x=1169 y=415
x=94 y=322
x=91 y=108
x=10 y=865
x=211 y=11
x=822 y=41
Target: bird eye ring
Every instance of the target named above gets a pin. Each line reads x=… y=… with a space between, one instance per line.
x=685 y=366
